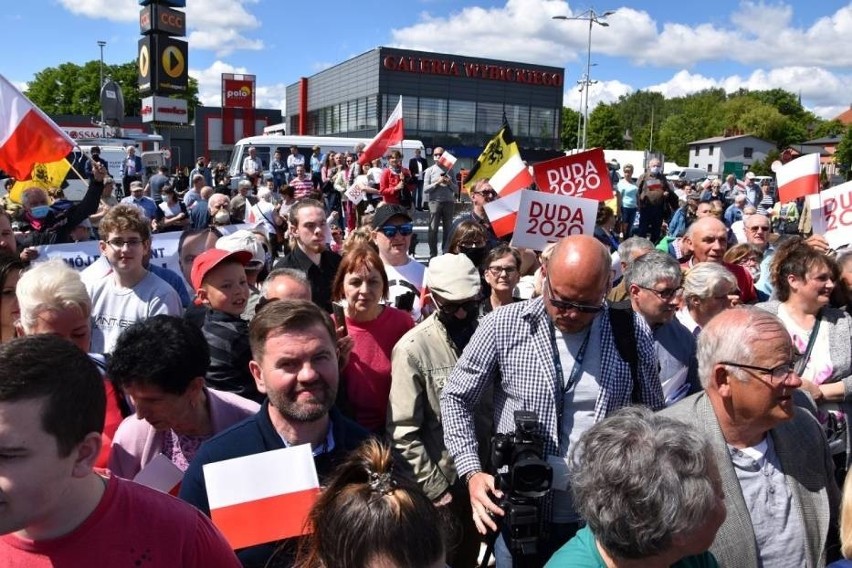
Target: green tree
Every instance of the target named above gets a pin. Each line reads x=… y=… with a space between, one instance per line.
x=74 y=89
x=784 y=101
x=843 y=152
x=691 y=118
x=829 y=128
x=605 y=131
x=635 y=113
x=570 y=119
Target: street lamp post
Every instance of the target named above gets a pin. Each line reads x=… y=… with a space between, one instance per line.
x=593 y=18
x=102 y=44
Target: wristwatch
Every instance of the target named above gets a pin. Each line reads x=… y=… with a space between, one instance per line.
x=468 y=475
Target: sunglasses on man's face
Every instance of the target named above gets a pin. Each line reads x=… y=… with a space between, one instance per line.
x=390 y=231
x=449 y=308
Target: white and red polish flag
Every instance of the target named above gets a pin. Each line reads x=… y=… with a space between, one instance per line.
x=503 y=213
x=272 y=500
x=447 y=160
x=27 y=135
x=798 y=177
x=391 y=135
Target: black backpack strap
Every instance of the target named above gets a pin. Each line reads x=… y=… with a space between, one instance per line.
x=624 y=335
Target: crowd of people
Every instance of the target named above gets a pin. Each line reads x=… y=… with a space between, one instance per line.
x=680 y=385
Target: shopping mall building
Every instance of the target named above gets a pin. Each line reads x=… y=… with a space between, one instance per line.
x=453 y=101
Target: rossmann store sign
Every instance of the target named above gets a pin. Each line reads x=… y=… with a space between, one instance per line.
x=473 y=70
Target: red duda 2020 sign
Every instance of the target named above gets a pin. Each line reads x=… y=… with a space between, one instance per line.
x=579 y=175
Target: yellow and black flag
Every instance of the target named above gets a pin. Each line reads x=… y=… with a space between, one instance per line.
x=501 y=164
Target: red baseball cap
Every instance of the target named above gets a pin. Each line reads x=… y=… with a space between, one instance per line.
x=210 y=259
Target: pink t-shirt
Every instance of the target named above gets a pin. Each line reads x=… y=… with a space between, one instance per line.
x=367 y=376
x=131 y=526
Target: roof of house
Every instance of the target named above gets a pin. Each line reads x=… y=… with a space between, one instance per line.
x=846 y=116
x=824 y=141
x=720 y=139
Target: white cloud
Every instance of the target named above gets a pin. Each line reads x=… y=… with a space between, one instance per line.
x=216 y=25
x=599 y=92
x=210 y=87
x=523 y=30
x=223 y=42
x=809 y=60
x=113 y=10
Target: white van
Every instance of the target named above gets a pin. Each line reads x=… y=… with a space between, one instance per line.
x=686 y=174
x=266 y=145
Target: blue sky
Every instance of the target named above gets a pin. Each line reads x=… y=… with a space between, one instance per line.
x=674 y=47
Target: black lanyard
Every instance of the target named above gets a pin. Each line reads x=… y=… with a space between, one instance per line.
x=576 y=370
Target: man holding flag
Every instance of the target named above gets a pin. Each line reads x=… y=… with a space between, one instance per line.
x=32 y=147
x=439 y=189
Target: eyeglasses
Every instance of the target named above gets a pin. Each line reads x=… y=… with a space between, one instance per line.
x=777 y=374
x=486 y=193
x=566 y=305
x=666 y=295
x=452 y=307
x=497 y=270
x=436 y=155
x=756 y=228
x=390 y=231
x=119 y=244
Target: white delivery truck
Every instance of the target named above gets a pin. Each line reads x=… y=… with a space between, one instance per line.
x=267 y=144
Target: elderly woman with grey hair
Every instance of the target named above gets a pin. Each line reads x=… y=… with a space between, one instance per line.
x=708 y=289
x=650 y=492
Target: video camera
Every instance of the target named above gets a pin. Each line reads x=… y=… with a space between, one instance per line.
x=527 y=480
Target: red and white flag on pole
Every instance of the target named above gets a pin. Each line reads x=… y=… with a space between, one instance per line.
x=27 y=135
x=391 y=135
x=272 y=499
x=798 y=178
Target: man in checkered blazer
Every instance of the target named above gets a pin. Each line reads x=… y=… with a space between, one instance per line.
x=556 y=356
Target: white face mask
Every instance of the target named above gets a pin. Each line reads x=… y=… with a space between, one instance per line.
x=755 y=272
x=222 y=217
x=655 y=169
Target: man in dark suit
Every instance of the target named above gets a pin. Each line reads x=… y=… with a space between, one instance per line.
x=417 y=165
x=775 y=465
x=95 y=157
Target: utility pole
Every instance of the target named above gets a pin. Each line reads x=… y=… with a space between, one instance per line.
x=102 y=44
x=593 y=18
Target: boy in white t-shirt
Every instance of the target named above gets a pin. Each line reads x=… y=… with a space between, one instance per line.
x=129 y=293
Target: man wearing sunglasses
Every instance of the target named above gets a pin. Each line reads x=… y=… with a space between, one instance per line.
x=392 y=230
x=757 y=230
x=555 y=355
x=774 y=463
x=421 y=362
x=439 y=189
x=653 y=282
x=481 y=194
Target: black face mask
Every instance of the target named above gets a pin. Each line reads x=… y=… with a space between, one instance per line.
x=475 y=254
x=451 y=321
x=460 y=330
